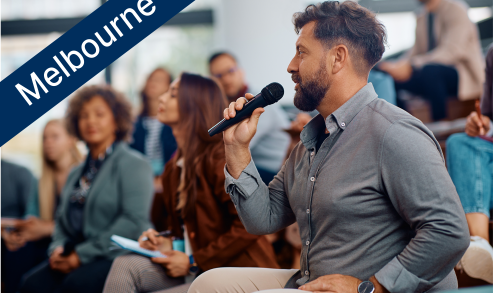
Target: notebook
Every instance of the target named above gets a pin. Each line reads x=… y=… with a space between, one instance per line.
x=134 y=246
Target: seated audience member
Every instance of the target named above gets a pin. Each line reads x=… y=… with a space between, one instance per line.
x=199 y=210
x=17 y=186
x=271 y=142
x=470 y=164
x=446 y=59
x=110 y=193
x=367 y=184
x=60 y=154
x=151 y=137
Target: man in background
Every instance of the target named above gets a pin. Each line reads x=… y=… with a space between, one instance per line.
x=446 y=59
x=270 y=144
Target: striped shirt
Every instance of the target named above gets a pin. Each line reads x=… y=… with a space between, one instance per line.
x=153 y=148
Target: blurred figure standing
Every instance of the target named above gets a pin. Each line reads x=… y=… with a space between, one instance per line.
x=446 y=59
x=110 y=193
x=152 y=138
x=270 y=144
x=60 y=154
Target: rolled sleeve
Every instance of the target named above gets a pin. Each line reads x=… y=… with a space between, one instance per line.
x=246 y=184
x=396 y=278
x=262 y=210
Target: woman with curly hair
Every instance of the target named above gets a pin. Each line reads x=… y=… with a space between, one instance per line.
x=193 y=205
x=110 y=193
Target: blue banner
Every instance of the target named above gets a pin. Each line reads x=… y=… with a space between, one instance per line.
x=77 y=56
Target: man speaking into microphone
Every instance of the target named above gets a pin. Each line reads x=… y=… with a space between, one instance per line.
x=367 y=184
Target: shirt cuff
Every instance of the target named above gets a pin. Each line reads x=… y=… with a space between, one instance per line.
x=246 y=184
x=490 y=133
x=396 y=279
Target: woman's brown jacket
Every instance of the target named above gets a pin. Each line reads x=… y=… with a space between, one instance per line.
x=217 y=236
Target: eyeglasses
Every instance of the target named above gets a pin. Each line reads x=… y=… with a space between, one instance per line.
x=230 y=71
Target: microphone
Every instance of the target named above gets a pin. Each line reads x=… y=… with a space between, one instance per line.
x=269 y=95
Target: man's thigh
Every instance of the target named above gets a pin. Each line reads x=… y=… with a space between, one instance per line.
x=244 y=280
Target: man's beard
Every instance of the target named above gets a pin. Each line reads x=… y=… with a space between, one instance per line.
x=312 y=90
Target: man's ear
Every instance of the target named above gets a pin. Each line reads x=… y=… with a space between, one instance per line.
x=340 y=56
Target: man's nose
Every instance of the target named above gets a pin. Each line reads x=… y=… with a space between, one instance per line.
x=293 y=66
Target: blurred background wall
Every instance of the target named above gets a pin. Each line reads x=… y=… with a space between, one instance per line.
x=258 y=32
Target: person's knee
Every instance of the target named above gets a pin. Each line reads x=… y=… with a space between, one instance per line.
x=430 y=72
x=431 y=79
x=130 y=263
x=457 y=142
x=208 y=279
x=32 y=280
x=125 y=261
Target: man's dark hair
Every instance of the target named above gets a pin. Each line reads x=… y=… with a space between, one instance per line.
x=346 y=23
x=219 y=54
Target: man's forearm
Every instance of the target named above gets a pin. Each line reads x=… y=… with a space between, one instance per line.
x=237 y=159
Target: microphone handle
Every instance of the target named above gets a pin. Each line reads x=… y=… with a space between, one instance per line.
x=256 y=102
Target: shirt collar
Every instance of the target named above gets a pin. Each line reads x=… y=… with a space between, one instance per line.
x=340 y=118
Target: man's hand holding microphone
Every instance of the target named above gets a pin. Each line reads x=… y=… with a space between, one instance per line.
x=240 y=124
x=237 y=138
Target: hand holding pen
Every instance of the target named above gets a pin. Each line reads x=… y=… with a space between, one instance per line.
x=153 y=240
x=160 y=234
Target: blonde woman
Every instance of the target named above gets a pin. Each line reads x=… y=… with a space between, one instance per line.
x=60 y=154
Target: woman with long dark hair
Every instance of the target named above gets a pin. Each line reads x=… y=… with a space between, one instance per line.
x=194 y=205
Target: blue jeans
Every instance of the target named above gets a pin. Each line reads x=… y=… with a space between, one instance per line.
x=470 y=164
x=384 y=86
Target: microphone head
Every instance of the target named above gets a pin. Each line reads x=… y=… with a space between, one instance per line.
x=272 y=93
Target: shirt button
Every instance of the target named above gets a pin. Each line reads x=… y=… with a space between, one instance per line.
x=312 y=179
x=307 y=242
x=307 y=272
x=343 y=124
x=307 y=211
x=312 y=154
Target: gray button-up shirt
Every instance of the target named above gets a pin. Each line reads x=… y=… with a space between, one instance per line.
x=376 y=199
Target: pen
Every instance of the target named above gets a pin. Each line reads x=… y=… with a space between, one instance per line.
x=478 y=110
x=160 y=234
